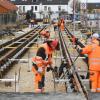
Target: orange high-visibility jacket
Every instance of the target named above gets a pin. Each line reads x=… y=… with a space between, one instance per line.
x=62 y=26
x=48 y=51
x=93 y=52
x=40 y=64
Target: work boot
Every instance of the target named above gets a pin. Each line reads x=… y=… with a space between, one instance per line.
x=93 y=90
x=38 y=91
x=42 y=90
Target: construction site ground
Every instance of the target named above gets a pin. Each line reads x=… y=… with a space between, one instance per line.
x=26 y=81
x=25 y=86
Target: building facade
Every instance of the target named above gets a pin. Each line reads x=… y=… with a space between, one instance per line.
x=7 y=12
x=42 y=8
x=91 y=12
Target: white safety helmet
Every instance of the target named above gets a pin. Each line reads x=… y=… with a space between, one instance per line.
x=96 y=35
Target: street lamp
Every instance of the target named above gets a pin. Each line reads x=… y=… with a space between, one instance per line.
x=74 y=3
x=40 y=9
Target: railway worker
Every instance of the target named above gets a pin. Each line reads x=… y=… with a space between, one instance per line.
x=93 y=51
x=61 y=24
x=55 y=24
x=45 y=34
x=41 y=61
x=32 y=21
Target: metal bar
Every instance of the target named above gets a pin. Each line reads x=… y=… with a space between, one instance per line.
x=61 y=80
x=72 y=67
x=20 y=60
x=23 y=47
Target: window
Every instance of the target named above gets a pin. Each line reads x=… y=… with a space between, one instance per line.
x=35 y=8
x=49 y=0
x=34 y=0
x=49 y=8
x=59 y=8
x=13 y=0
x=32 y=8
x=20 y=10
x=24 y=0
x=45 y=8
x=23 y=8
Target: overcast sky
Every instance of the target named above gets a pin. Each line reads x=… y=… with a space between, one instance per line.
x=91 y=1
x=85 y=1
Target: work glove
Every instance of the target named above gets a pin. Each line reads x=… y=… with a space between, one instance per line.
x=49 y=62
x=79 y=50
x=76 y=41
x=40 y=70
x=49 y=69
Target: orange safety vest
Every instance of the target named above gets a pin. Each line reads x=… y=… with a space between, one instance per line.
x=48 y=51
x=62 y=26
x=93 y=52
x=39 y=63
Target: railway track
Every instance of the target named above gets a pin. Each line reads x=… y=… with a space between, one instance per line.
x=15 y=48
x=70 y=75
x=18 y=47
x=80 y=45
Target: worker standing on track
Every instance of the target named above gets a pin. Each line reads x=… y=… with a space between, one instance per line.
x=61 y=24
x=93 y=51
x=42 y=59
x=32 y=21
x=55 y=24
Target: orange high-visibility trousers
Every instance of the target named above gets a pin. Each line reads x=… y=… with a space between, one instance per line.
x=39 y=82
x=98 y=89
x=95 y=81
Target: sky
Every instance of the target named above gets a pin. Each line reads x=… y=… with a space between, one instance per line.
x=83 y=1
x=91 y=1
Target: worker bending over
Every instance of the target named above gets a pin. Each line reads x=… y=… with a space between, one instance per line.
x=41 y=61
x=93 y=51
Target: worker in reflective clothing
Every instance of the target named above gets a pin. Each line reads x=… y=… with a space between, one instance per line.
x=41 y=61
x=55 y=24
x=93 y=51
x=61 y=24
x=45 y=34
x=32 y=21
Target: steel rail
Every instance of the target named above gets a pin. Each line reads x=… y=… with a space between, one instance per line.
x=21 y=43
x=70 y=35
x=72 y=68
